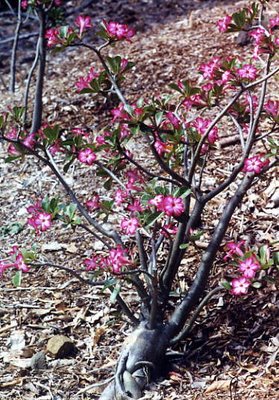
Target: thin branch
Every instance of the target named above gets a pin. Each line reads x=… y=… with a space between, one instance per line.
x=181 y=312
x=188 y=327
x=38 y=101
x=111 y=174
x=222 y=113
x=111 y=78
x=14 y=50
x=71 y=272
x=139 y=166
x=30 y=74
x=21 y=37
x=51 y=164
x=95 y=235
x=89 y=282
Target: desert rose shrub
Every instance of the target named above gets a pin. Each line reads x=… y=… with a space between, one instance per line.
x=149 y=214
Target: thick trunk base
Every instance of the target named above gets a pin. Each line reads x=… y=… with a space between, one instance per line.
x=140 y=361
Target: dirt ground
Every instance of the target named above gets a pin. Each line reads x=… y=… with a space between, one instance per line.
x=232 y=351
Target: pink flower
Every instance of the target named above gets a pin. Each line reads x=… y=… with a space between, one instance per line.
x=29 y=141
x=129 y=226
x=41 y=221
x=84 y=82
x=255 y=164
x=135 y=206
x=92 y=74
x=208 y=69
x=120 y=196
x=161 y=147
x=56 y=147
x=94 y=203
x=258 y=35
x=3 y=267
x=173 y=206
x=119 y=113
x=52 y=36
x=34 y=208
x=169 y=229
x=173 y=120
x=83 y=22
x=123 y=64
x=247 y=71
x=118 y=259
x=272 y=107
x=274 y=22
x=249 y=267
x=81 y=84
x=118 y=31
x=20 y=264
x=240 y=286
x=87 y=156
x=124 y=131
x=201 y=124
x=157 y=202
x=224 y=23
x=24 y=4
x=233 y=249
x=90 y=263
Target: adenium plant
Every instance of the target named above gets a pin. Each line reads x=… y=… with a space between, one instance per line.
x=151 y=212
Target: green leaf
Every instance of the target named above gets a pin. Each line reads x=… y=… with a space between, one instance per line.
x=174 y=86
x=159 y=117
x=182 y=192
x=11 y=158
x=152 y=218
x=52 y=133
x=196 y=235
x=28 y=255
x=256 y=285
x=18 y=113
x=115 y=293
x=226 y=285
x=184 y=246
x=16 y=279
x=114 y=63
x=275 y=258
x=11 y=229
x=70 y=211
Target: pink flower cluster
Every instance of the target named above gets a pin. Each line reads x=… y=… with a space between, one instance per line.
x=27 y=140
x=54 y=38
x=83 y=22
x=87 y=156
x=255 y=164
x=118 y=31
x=93 y=203
x=247 y=72
x=170 y=205
x=119 y=114
x=201 y=125
x=84 y=82
x=18 y=262
x=115 y=261
x=224 y=23
x=248 y=266
x=129 y=225
x=272 y=108
x=40 y=220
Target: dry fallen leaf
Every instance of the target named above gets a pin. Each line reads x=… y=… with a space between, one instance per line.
x=221 y=385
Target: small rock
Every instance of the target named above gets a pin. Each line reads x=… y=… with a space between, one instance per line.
x=38 y=361
x=61 y=346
